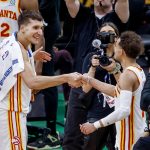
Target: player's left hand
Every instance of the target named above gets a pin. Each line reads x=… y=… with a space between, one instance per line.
x=87 y=128
x=74 y=79
x=40 y=55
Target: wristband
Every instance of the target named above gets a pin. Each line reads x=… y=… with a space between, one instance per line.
x=97 y=125
x=116 y=69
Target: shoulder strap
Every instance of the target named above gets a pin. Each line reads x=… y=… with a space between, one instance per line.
x=138 y=72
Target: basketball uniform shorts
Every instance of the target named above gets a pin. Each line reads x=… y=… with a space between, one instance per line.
x=13 y=133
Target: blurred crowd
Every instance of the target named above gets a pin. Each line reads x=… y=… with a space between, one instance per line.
x=70 y=27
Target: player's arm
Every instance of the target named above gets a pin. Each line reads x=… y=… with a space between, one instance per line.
x=29 y=5
x=122 y=10
x=87 y=87
x=41 y=82
x=128 y=83
x=91 y=72
x=100 y=86
x=73 y=7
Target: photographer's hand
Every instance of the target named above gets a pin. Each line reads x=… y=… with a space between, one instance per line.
x=95 y=61
x=110 y=67
x=113 y=68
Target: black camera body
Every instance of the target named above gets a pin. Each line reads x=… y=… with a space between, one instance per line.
x=104 y=38
x=103 y=59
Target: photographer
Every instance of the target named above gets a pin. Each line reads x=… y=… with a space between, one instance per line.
x=144 y=142
x=95 y=101
x=86 y=22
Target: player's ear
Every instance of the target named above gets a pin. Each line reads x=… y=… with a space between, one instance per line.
x=22 y=28
x=123 y=52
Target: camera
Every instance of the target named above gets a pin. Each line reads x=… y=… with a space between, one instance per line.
x=104 y=38
x=103 y=59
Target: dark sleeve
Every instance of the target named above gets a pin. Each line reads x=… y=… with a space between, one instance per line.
x=83 y=14
x=113 y=17
x=145 y=96
x=87 y=63
x=49 y=9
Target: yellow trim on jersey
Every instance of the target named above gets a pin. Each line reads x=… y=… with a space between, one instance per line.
x=3 y=0
x=11 y=131
x=11 y=99
x=19 y=93
x=17 y=115
x=122 y=140
x=117 y=91
x=133 y=106
x=132 y=122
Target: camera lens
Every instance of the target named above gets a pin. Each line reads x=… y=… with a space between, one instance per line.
x=104 y=61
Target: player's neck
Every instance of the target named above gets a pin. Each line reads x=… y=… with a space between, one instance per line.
x=128 y=62
x=22 y=41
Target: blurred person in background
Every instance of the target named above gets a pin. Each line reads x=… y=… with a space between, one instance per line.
x=86 y=22
x=63 y=62
x=99 y=104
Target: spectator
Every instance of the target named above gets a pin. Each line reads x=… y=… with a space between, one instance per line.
x=63 y=61
x=98 y=106
x=86 y=23
x=136 y=14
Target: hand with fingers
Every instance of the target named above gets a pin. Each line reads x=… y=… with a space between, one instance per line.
x=75 y=79
x=40 y=55
x=85 y=78
x=87 y=128
x=95 y=61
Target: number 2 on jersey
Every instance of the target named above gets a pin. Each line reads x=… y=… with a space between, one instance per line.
x=4 y=30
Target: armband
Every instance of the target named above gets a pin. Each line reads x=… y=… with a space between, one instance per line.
x=98 y=124
x=116 y=69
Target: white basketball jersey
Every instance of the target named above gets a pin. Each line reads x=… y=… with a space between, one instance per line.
x=19 y=96
x=9 y=12
x=130 y=129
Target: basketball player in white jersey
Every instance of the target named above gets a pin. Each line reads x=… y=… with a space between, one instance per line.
x=9 y=12
x=129 y=118
x=15 y=104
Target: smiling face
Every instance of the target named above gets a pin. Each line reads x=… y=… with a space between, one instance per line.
x=32 y=31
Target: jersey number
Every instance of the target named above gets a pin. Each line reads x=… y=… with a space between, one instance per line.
x=5 y=28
